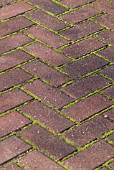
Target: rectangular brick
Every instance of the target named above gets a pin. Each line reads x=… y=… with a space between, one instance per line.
x=80 y=14
x=84 y=66
x=91 y=157
x=75 y=3
x=15 y=25
x=89 y=131
x=36 y=160
x=11 y=166
x=109 y=114
x=88 y=107
x=48 y=94
x=108 y=71
x=83 y=47
x=41 y=138
x=109 y=91
x=50 y=6
x=13 y=42
x=12 y=122
x=85 y=86
x=45 y=72
x=12 y=99
x=107 y=53
x=11 y=10
x=47 y=20
x=46 y=36
x=10 y=60
x=11 y=148
x=50 y=118
x=6 y=1
x=47 y=54
x=12 y=78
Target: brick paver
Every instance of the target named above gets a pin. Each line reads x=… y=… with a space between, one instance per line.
x=56 y=85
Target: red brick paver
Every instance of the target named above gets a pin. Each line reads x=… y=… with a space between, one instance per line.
x=56 y=84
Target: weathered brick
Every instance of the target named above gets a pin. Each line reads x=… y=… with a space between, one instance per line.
x=11 y=166
x=81 y=30
x=85 y=86
x=82 y=14
x=89 y=131
x=48 y=117
x=48 y=94
x=91 y=157
x=13 y=59
x=46 y=36
x=12 y=78
x=12 y=99
x=109 y=71
x=84 y=66
x=107 y=53
x=11 y=10
x=48 y=142
x=13 y=42
x=107 y=36
x=15 y=25
x=44 y=72
x=36 y=160
x=11 y=122
x=11 y=148
x=109 y=91
x=49 y=6
x=82 y=48
x=87 y=107
x=47 y=54
x=75 y=3
x=110 y=114
x=106 y=20
x=47 y=20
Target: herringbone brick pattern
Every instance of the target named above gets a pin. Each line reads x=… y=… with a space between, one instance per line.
x=56 y=85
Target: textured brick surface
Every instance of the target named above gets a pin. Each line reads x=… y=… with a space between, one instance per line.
x=48 y=117
x=110 y=114
x=11 y=147
x=47 y=54
x=82 y=47
x=109 y=71
x=39 y=161
x=109 y=91
x=85 y=86
x=55 y=146
x=9 y=100
x=107 y=53
x=48 y=94
x=11 y=166
x=9 y=123
x=87 y=107
x=92 y=157
x=112 y=165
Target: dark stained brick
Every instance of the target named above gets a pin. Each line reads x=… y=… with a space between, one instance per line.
x=91 y=157
x=82 y=14
x=15 y=25
x=47 y=54
x=11 y=122
x=85 y=86
x=11 y=10
x=81 y=30
x=49 y=6
x=12 y=42
x=110 y=114
x=84 y=66
x=13 y=78
x=83 y=47
x=109 y=71
x=44 y=72
x=87 y=107
x=11 y=166
x=108 y=53
x=75 y=3
x=48 y=94
x=36 y=160
x=106 y=20
x=48 y=142
x=47 y=20
x=12 y=147
x=109 y=91
x=48 y=117
x=13 y=59
x=12 y=99
x=46 y=36
x=89 y=131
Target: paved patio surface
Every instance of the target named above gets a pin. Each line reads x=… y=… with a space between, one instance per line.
x=57 y=85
